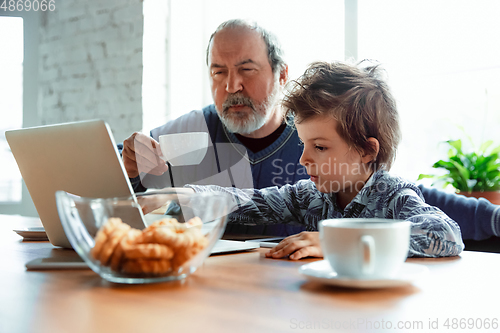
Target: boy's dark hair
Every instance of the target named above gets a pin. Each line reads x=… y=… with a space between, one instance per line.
x=357 y=98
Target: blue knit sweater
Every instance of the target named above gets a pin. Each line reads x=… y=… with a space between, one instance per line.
x=478 y=218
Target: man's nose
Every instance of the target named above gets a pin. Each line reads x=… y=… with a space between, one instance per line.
x=234 y=83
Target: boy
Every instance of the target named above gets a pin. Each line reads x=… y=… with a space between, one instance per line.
x=348 y=123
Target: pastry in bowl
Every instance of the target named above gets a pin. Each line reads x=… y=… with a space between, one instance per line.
x=170 y=248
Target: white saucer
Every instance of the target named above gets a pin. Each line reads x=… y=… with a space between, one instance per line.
x=321 y=271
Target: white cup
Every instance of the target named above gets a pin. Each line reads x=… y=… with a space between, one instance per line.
x=365 y=248
x=184 y=148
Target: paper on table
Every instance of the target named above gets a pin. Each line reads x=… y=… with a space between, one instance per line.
x=32 y=234
x=51 y=263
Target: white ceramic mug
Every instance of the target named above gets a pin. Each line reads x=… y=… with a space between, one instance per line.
x=365 y=248
x=184 y=148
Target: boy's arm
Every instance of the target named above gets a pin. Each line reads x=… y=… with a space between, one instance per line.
x=270 y=205
x=433 y=233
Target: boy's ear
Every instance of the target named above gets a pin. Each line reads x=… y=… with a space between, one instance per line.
x=371 y=154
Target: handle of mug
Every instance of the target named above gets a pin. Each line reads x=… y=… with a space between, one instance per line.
x=368 y=250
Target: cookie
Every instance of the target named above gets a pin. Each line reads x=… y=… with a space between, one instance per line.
x=156 y=250
x=146 y=266
x=189 y=244
x=133 y=236
x=170 y=237
x=194 y=222
x=148 y=251
x=112 y=223
x=99 y=241
x=149 y=232
x=112 y=241
x=102 y=236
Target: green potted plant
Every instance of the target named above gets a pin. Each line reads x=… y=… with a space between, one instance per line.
x=475 y=174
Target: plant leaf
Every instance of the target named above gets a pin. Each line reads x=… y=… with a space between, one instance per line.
x=493 y=167
x=485 y=146
x=463 y=173
x=477 y=170
x=469 y=161
x=457 y=144
x=493 y=174
x=423 y=176
x=495 y=150
x=445 y=165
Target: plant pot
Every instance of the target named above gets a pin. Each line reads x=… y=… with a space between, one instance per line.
x=493 y=197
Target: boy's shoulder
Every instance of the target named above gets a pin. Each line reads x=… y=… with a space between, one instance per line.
x=384 y=184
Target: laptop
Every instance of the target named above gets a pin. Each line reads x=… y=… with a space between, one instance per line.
x=80 y=158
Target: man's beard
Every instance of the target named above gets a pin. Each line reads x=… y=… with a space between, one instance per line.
x=247 y=122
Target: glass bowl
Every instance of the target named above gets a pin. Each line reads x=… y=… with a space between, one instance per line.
x=122 y=245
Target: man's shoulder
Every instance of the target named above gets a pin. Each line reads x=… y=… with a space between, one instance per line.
x=209 y=110
x=211 y=115
x=193 y=121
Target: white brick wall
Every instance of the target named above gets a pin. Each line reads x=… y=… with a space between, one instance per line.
x=91 y=64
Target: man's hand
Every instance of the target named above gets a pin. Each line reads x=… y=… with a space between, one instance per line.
x=141 y=154
x=305 y=244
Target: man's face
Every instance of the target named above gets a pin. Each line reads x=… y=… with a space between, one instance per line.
x=244 y=88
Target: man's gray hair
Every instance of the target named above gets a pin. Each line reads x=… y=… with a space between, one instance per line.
x=275 y=53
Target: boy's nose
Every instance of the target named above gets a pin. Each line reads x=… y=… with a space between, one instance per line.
x=304 y=159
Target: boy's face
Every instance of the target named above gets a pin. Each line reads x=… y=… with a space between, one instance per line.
x=331 y=163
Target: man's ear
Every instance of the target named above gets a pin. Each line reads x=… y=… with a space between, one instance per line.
x=371 y=154
x=284 y=75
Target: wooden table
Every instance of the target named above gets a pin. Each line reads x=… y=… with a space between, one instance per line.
x=238 y=293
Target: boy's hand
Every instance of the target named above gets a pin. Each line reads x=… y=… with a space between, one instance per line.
x=305 y=244
x=150 y=203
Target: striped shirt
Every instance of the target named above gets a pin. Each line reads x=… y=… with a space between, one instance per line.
x=433 y=233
